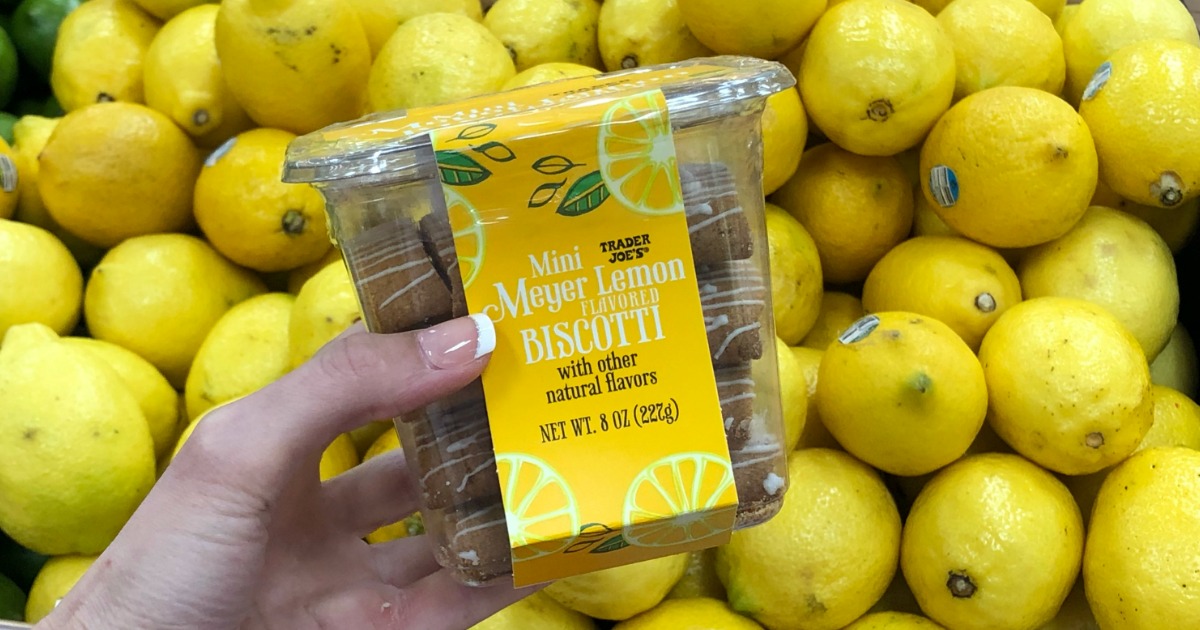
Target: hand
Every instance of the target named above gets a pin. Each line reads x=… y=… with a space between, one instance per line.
x=240 y=533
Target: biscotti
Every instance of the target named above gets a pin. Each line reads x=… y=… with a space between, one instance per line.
x=732 y=297
x=398 y=285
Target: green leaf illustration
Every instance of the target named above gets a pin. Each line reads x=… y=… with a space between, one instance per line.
x=496 y=152
x=612 y=544
x=460 y=170
x=475 y=132
x=585 y=195
x=544 y=194
x=554 y=165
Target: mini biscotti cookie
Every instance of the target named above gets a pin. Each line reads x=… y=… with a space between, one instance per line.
x=716 y=222
x=735 y=390
x=439 y=244
x=398 y=286
x=732 y=298
x=453 y=448
x=760 y=480
x=477 y=537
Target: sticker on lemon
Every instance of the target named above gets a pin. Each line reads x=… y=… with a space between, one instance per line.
x=637 y=161
x=538 y=505
x=468 y=235
x=670 y=501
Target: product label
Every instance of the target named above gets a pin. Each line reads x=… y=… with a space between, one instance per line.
x=571 y=236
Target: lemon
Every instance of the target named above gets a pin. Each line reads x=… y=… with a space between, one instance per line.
x=1116 y=261
x=828 y=554
x=1069 y=385
x=988 y=35
x=380 y=18
x=766 y=29
x=784 y=132
x=855 y=207
x=160 y=295
x=167 y=9
x=635 y=33
x=1052 y=8
x=298 y=276
x=547 y=72
x=796 y=285
x=536 y=611
x=692 y=613
x=116 y=170
x=437 y=58
x=365 y=436
x=926 y=221
x=325 y=306
x=793 y=393
x=838 y=311
x=876 y=75
x=1145 y=153
x=10 y=181
x=893 y=621
x=57 y=577
x=1009 y=167
x=1176 y=225
x=902 y=392
x=1176 y=365
x=1103 y=27
x=814 y=435
x=1075 y=613
x=389 y=440
x=339 y=457
x=99 y=53
x=41 y=281
x=155 y=396
x=541 y=31
x=77 y=450
x=992 y=541
x=184 y=78
x=250 y=215
x=296 y=65
x=621 y=592
x=1060 y=22
x=1139 y=567
x=700 y=579
x=962 y=284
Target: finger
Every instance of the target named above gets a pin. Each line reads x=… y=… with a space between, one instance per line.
x=375 y=493
x=426 y=599
x=402 y=561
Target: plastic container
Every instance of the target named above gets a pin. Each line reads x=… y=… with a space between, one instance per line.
x=386 y=198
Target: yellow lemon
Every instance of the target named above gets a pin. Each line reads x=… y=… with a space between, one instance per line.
x=814 y=435
x=700 y=579
x=838 y=311
x=960 y=283
x=893 y=621
x=339 y=457
x=635 y=33
x=10 y=181
x=1052 y=8
x=926 y=221
x=298 y=276
x=680 y=614
x=1009 y=167
x=56 y=578
x=99 y=53
x=160 y=295
x=992 y=541
x=547 y=72
x=988 y=35
x=184 y=78
x=796 y=285
x=368 y=434
x=765 y=29
x=1116 y=261
x=541 y=31
x=380 y=18
x=1064 y=16
x=793 y=393
x=1100 y=28
x=412 y=525
x=296 y=65
x=437 y=58
x=250 y=215
x=41 y=281
x=1139 y=567
x=1176 y=225
x=784 y=132
x=826 y=557
x=167 y=9
x=1069 y=385
x=876 y=75
x=116 y=170
x=78 y=457
x=1176 y=366
x=622 y=592
x=1075 y=613
x=538 y=610
x=325 y=306
x=1145 y=153
x=155 y=396
x=902 y=392
x=855 y=207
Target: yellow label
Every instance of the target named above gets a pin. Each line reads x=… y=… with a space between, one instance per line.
x=602 y=401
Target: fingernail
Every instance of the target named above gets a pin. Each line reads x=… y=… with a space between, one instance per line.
x=457 y=342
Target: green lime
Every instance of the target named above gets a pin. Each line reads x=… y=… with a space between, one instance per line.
x=8 y=68
x=35 y=28
x=12 y=600
x=18 y=563
x=7 y=121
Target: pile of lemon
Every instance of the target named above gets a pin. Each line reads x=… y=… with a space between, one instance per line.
x=973 y=210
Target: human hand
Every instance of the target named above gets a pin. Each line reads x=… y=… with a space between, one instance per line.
x=241 y=533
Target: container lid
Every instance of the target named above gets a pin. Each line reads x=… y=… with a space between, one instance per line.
x=389 y=144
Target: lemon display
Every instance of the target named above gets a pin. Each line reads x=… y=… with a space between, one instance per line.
x=814 y=435
x=1069 y=386
x=437 y=58
x=547 y=72
x=1052 y=8
x=296 y=65
x=989 y=34
x=41 y=281
x=796 y=286
x=1100 y=28
x=633 y=164
x=876 y=75
x=784 y=131
x=902 y=392
x=1176 y=366
x=960 y=283
x=793 y=393
x=635 y=33
x=767 y=28
x=1139 y=564
x=893 y=621
x=57 y=577
x=325 y=306
x=1145 y=154
x=1009 y=167
x=700 y=579
x=99 y=53
x=622 y=592
x=1116 y=261
x=112 y=171
x=1002 y=558
x=855 y=207
x=541 y=31
x=380 y=18
x=689 y=614
x=838 y=311
x=539 y=610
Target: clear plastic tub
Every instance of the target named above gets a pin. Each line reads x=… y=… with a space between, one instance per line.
x=388 y=214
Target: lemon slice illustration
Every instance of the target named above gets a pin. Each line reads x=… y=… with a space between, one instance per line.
x=675 y=500
x=637 y=156
x=468 y=235
x=540 y=509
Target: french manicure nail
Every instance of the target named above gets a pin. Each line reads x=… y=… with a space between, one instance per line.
x=457 y=342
